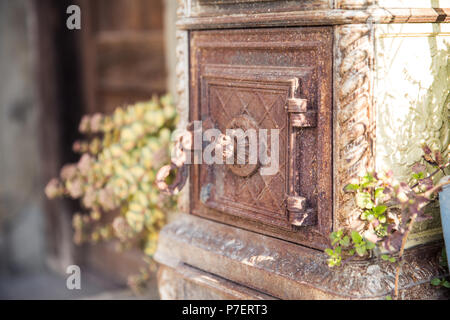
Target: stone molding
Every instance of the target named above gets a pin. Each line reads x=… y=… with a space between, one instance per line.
x=316 y=17
x=185 y=282
x=182 y=91
x=354 y=122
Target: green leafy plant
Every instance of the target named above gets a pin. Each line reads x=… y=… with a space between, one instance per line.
x=388 y=211
x=114 y=180
x=443 y=281
x=440 y=282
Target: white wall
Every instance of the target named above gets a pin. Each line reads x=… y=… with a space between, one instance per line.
x=412 y=84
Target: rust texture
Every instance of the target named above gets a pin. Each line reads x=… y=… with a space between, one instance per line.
x=354 y=123
x=267 y=79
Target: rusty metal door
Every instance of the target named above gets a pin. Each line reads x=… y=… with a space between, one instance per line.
x=278 y=81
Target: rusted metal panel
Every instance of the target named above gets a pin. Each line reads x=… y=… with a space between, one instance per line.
x=205 y=8
x=267 y=79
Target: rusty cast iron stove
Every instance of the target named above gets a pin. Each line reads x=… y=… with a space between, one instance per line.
x=267 y=79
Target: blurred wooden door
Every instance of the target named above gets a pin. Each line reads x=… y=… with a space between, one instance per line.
x=123 y=62
x=123 y=52
x=116 y=59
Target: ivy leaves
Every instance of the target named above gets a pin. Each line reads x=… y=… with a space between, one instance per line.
x=338 y=238
x=364 y=200
x=386 y=257
x=440 y=282
x=335 y=256
x=361 y=246
x=388 y=210
x=348 y=246
x=375 y=213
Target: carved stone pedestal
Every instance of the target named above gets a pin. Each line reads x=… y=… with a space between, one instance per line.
x=352 y=86
x=205 y=260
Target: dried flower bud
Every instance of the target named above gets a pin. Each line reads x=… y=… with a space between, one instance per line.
x=85 y=124
x=54 y=189
x=95 y=146
x=76 y=147
x=121 y=228
x=68 y=172
x=96 y=122
x=75 y=188
x=119 y=117
x=418 y=167
x=426 y=149
x=438 y=157
x=85 y=164
x=95 y=215
x=106 y=199
x=89 y=197
x=108 y=124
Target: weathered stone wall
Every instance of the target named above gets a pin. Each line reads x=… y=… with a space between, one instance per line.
x=412 y=85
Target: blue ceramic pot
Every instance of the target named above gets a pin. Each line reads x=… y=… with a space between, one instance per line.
x=444 y=201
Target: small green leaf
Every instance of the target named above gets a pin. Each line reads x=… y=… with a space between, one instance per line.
x=363 y=200
x=364 y=215
x=351 y=252
x=392 y=259
x=388 y=298
x=345 y=241
x=361 y=251
x=351 y=187
x=370 y=245
x=379 y=193
x=356 y=237
x=385 y=257
x=329 y=252
x=379 y=210
x=436 y=281
x=446 y=284
x=367 y=181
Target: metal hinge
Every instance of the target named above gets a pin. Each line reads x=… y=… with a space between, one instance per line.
x=299 y=214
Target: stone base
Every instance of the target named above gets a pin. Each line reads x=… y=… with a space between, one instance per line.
x=201 y=259
x=188 y=283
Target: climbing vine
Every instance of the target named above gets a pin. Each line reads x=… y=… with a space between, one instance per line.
x=388 y=210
